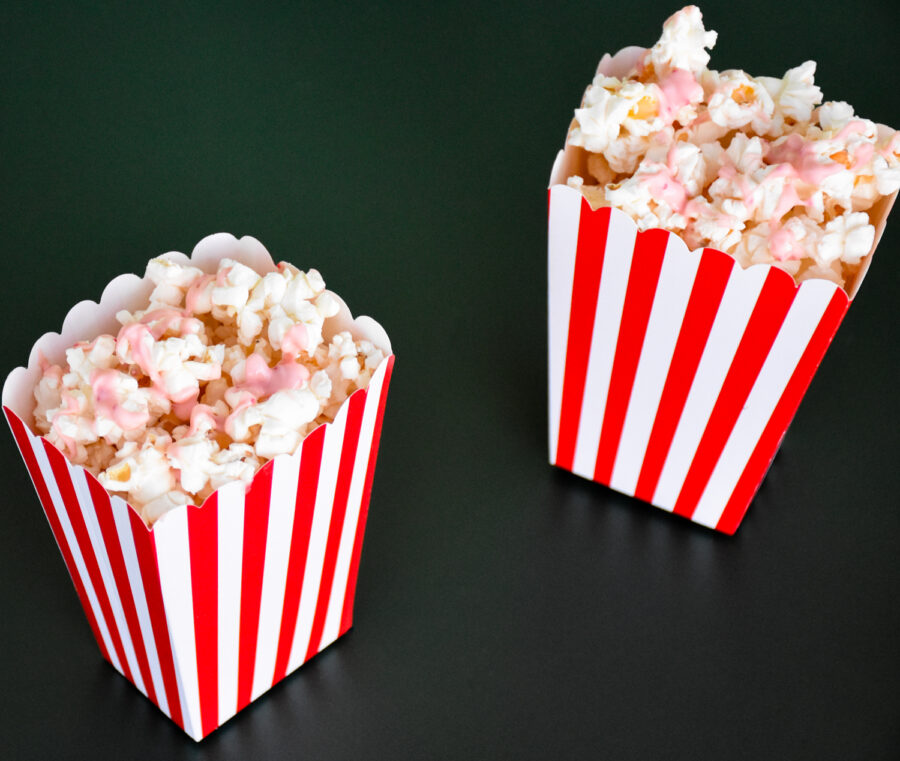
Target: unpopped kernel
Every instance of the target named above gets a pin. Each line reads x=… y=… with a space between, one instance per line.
x=758 y=167
x=218 y=374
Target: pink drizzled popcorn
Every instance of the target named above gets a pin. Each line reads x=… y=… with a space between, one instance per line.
x=220 y=373
x=757 y=167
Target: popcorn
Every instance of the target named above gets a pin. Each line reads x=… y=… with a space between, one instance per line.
x=835 y=115
x=683 y=42
x=172 y=281
x=848 y=237
x=739 y=100
x=236 y=463
x=712 y=225
x=624 y=154
x=220 y=373
x=758 y=167
x=887 y=175
x=745 y=153
x=606 y=107
x=794 y=95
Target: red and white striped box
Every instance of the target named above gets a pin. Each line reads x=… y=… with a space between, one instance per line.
x=213 y=605
x=674 y=374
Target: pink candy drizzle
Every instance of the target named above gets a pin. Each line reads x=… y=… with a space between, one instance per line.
x=104 y=384
x=678 y=89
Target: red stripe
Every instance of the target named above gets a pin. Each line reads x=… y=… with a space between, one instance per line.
x=771 y=308
x=649 y=251
x=307 y=486
x=203 y=546
x=24 y=442
x=60 y=467
x=256 y=523
x=107 y=522
x=703 y=304
x=336 y=525
x=592 y=233
x=782 y=415
x=145 y=549
x=350 y=595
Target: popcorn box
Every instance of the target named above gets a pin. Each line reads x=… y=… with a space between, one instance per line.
x=211 y=606
x=673 y=375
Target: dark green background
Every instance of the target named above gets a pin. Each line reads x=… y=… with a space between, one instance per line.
x=504 y=610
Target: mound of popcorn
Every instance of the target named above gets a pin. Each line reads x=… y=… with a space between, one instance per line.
x=758 y=167
x=220 y=373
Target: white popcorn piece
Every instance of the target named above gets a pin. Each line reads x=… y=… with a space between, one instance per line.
x=887 y=176
x=745 y=153
x=683 y=42
x=159 y=506
x=633 y=197
x=236 y=463
x=690 y=166
x=796 y=239
x=835 y=115
x=739 y=100
x=320 y=385
x=327 y=305
x=198 y=299
x=268 y=291
x=342 y=345
x=373 y=355
x=301 y=289
x=755 y=248
x=282 y=420
x=624 y=154
x=712 y=227
x=47 y=395
x=292 y=408
x=644 y=117
x=600 y=120
x=172 y=281
x=849 y=237
x=232 y=289
x=349 y=368
x=84 y=358
x=279 y=324
x=774 y=195
x=191 y=457
x=164 y=271
x=141 y=471
x=795 y=95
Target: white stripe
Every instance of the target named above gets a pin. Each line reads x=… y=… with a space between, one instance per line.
x=610 y=300
x=126 y=540
x=282 y=506
x=354 y=504
x=676 y=278
x=562 y=244
x=737 y=304
x=88 y=511
x=69 y=534
x=173 y=555
x=318 y=538
x=230 y=552
x=793 y=337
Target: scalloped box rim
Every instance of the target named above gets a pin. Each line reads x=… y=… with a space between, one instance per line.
x=88 y=319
